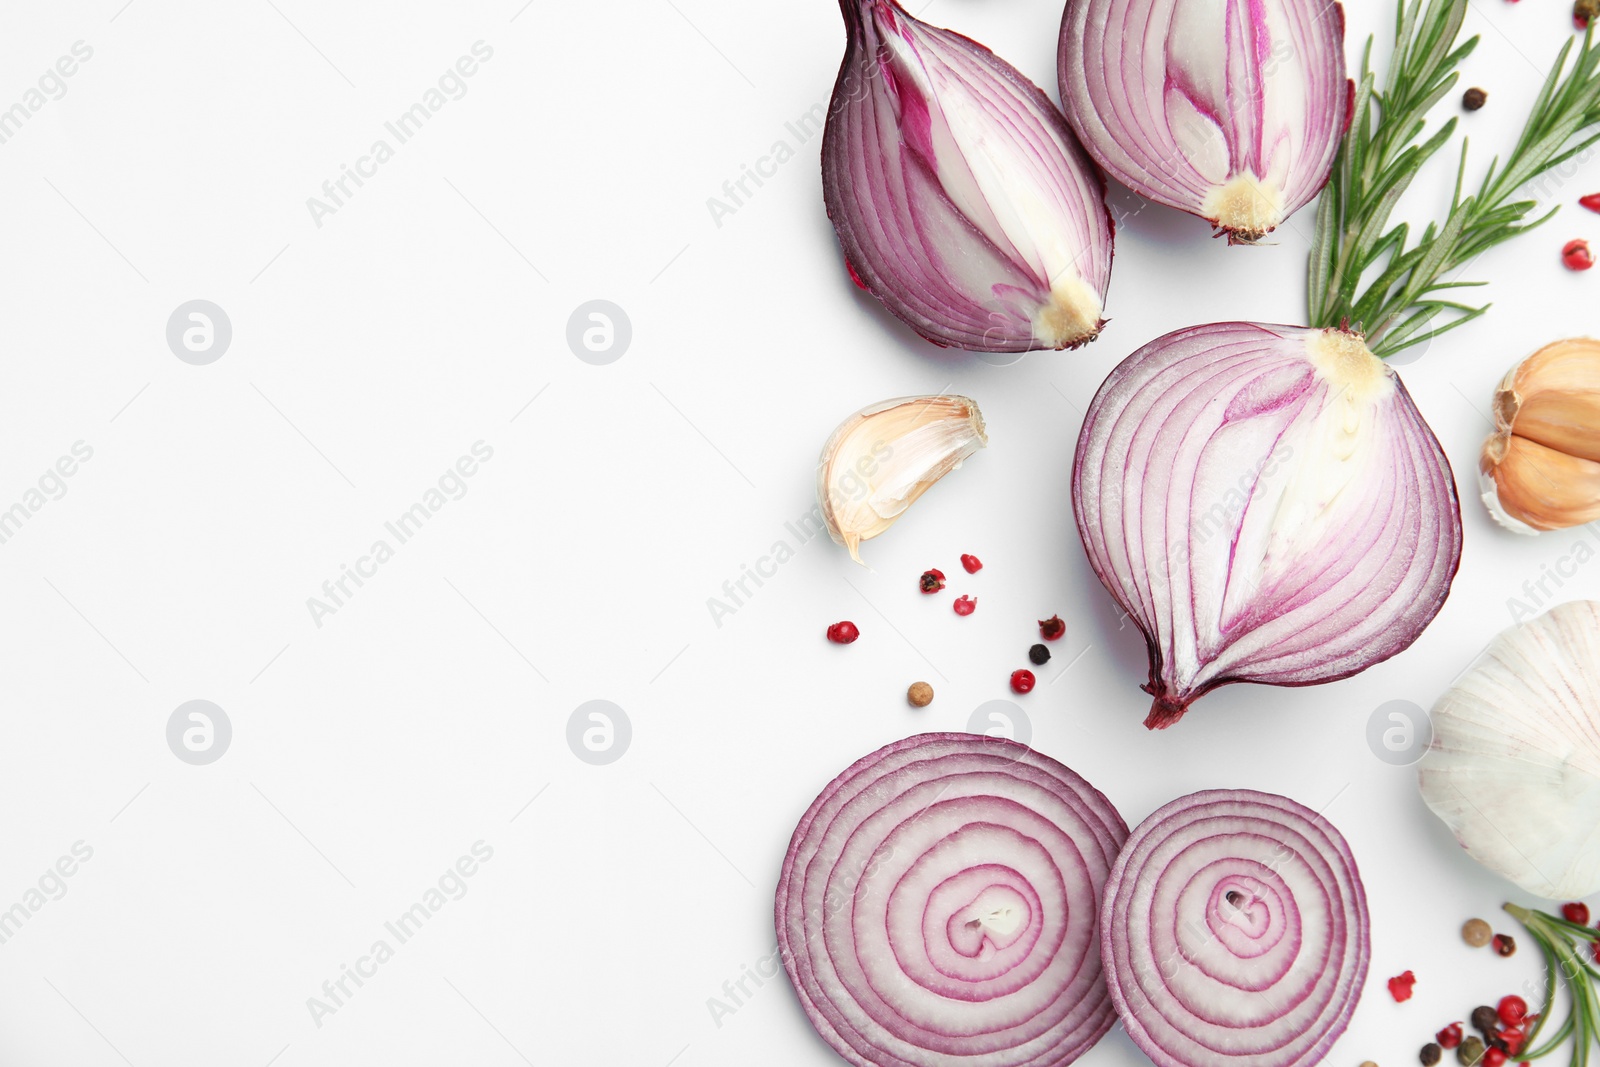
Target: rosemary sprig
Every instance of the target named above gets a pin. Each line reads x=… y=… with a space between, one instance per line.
x=1384 y=150
x=1567 y=948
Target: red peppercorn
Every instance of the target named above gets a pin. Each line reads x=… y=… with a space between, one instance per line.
x=1594 y=950
x=1592 y=201
x=1493 y=1057
x=1401 y=985
x=1513 y=1037
x=1450 y=1036
x=1576 y=912
x=1576 y=255
x=932 y=581
x=842 y=633
x=972 y=563
x=1052 y=628
x=1512 y=1010
x=1504 y=944
x=1022 y=681
x=965 y=605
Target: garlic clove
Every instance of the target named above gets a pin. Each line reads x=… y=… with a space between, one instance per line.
x=1514 y=766
x=884 y=457
x=1541 y=468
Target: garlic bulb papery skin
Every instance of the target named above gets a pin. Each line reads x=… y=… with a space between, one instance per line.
x=960 y=197
x=1540 y=469
x=1231 y=110
x=1514 y=766
x=882 y=458
x=1267 y=504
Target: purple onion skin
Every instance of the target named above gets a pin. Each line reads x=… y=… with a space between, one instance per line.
x=1188 y=452
x=890 y=868
x=1177 y=976
x=918 y=236
x=1255 y=101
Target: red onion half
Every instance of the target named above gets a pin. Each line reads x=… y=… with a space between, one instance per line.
x=960 y=196
x=1235 y=930
x=1227 y=109
x=938 y=903
x=1267 y=504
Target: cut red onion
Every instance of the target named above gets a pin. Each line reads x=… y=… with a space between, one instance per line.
x=1227 y=109
x=1267 y=504
x=960 y=196
x=1235 y=930
x=938 y=901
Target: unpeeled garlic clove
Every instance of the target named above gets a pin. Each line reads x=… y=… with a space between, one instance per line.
x=882 y=458
x=1540 y=470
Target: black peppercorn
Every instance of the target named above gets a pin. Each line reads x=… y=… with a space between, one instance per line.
x=1486 y=1019
x=1430 y=1054
x=1474 y=98
x=1038 y=654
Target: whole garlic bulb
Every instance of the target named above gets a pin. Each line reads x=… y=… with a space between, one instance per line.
x=1514 y=767
x=1541 y=468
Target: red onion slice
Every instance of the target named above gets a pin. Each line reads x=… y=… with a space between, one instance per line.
x=960 y=197
x=1227 y=109
x=1235 y=930
x=939 y=899
x=1267 y=504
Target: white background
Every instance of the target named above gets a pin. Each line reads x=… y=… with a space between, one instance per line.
x=371 y=752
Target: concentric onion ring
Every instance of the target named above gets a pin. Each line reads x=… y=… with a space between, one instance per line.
x=1234 y=929
x=938 y=900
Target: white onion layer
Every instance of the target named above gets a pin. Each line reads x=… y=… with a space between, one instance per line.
x=1235 y=931
x=938 y=905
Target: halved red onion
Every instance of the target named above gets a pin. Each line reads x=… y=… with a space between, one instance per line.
x=1227 y=109
x=1235 y=930
x=938 y=903
x=1267 y=504
x=961 y=199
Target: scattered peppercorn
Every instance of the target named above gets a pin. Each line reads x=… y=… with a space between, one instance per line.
x=1368 y=1063
x=1022 y=681
x=1476 y=932
x=932 y=581
x=1473 y=98
x=1513 y=1037
x=1576 y=255
x=965 y=605
x=1052 y=628
x=972 y=563
x=1594 y=950
x=1505 y=944
x=1585 y=12
x=1485 y=1019
x=842 y=633
x=1430 y=1054
x=1512 y=1010
x=1592 y=201
x=1471 y=1052
x=1576 y=912
x=1401 y=985
x=1494 y=1057
x=920 y=694
x=1450 y=1036
x=1038 y=655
